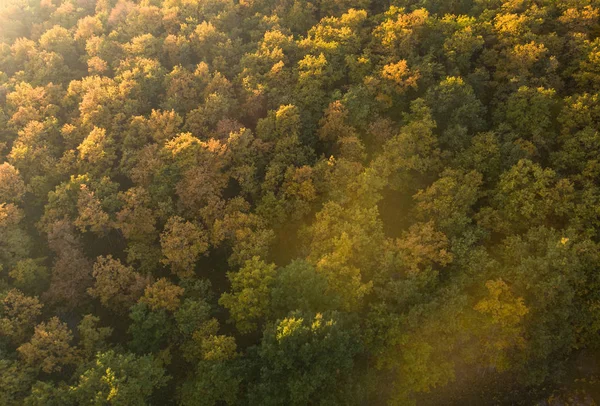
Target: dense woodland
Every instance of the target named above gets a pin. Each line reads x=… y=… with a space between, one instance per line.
x=299 y=202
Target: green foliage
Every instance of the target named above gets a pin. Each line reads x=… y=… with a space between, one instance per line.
x=44 y=393
x=92 y=338
x=250 y=300
x=149 y=329
x=15 y=381
x=306 y=359
x=30 y=275
x=212 y=383
x=119 y=379
x=300 y=287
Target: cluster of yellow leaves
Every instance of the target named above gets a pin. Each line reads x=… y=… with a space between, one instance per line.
x=162 y=295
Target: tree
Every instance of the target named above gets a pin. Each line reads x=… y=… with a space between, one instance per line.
x=15 y=243
x=449 y=200
x=549 y=269
x=207 y=41
x=96 y=152
x=335 y=130
x=333 y=125
x=140 y=82
x=284 y=121
x=58 y=39
x=300 y=287
x=28 y=103
x=393 y=81
x=50 y=347
x=345 y=281
x=422 y=246
x=184 y=90
x=461 y=47
x=588 y=76
x=12 y=187
x=213 y=382
x=117 y=286
x=15 y=382
x=305 y=358
x=529 y=195
x=457 y=112
x=416 y=349
x=202 y=182
x=482 y=155
x=578 y=137
x=506 y=315
x=249 y=302
x=247 y=233
x=530 y=114
x=136 y=219
x=346 y=235
x=294 y=199
x=62 y=202
x=88 y=27
x=406 y=157
x=120 y=379
x=198 y=330
x=182 y=243
x=36 y=149
x=149 y=329
x=30 y=275
x=145 y=46
x=137 y=223
x=71 y=272
x=19 y=314
x=162 y=294
x=164 y=125
x=92 y=338
x=91 y=213
x=400 y=32
x=49 y=394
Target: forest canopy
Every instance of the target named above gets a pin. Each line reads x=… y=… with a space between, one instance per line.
x=299 y=202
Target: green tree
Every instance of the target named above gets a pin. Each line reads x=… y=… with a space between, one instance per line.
x=250 y=299
x=149 y=328
x=30 y=275
x=92 y=338
x=119 y=379
x=299 y=286
x=304 y=359
x=15 y=243
x=529 y=195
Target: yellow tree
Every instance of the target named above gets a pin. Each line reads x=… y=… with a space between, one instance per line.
x=18 y=314
x=50 y=347
x=117 y=286
x=503 y=326
x=182 y=243
x=162 y=295
x=12 y=187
